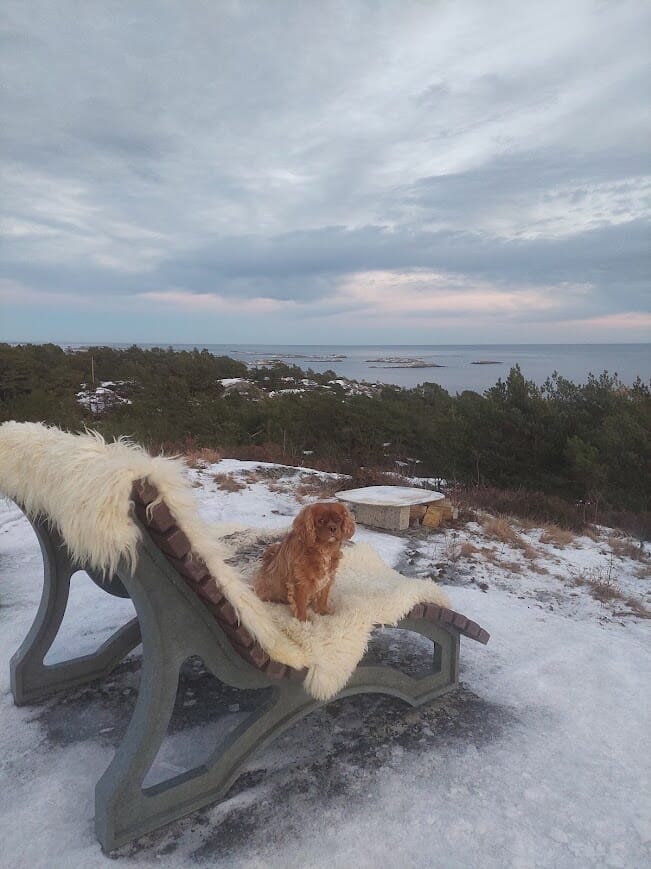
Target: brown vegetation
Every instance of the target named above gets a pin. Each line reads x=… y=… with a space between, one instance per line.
x=501 y=528
x=626 y=548
x=490 y=555
x=603 y=587
x=268 y=452
x=314 y=486
x=467 y=550
x=511 y=566
x=556 y=536
x=527 y=506
x=228 y=483
x=202 y=457
x=362 y=477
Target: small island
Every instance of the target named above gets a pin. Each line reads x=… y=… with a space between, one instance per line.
x=402 y=362
x=417 y=364
x=488 y=362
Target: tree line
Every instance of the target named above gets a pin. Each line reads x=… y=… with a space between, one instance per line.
x=589 y=441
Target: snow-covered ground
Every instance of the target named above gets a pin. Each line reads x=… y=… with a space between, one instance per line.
x=542 y=758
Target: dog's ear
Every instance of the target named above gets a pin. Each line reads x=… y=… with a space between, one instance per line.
x=304 y=526
x=349 y=526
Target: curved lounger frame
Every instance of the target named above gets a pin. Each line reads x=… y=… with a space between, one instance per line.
x=181 y=613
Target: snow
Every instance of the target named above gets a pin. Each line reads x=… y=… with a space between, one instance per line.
x=274 y=392
x=542 y=758
x=389 y=496
x=101 y=398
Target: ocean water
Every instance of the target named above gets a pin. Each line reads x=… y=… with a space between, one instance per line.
x=462 y=366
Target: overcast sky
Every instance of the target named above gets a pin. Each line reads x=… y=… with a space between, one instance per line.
x=325 y=172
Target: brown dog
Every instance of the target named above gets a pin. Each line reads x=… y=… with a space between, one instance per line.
x=301 y=569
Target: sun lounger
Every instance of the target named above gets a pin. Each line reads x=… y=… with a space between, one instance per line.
x=182 y=612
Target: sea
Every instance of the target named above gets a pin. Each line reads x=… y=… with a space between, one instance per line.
x=455 y=367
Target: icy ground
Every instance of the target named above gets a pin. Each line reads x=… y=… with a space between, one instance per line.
x=540 y=759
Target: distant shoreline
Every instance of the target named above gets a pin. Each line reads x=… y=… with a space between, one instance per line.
x=454 y=367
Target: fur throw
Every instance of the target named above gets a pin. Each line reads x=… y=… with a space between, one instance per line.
x=83 y=485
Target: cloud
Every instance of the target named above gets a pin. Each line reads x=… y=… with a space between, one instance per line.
x=637 y=321
x=276 y=155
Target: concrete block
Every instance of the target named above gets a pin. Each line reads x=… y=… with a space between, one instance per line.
x=378 y=516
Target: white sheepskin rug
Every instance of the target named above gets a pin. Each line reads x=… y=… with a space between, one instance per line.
x=83 y=485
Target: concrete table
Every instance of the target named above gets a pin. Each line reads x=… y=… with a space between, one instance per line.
x=387 y=506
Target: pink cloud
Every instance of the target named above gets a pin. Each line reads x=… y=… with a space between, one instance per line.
x=622 y=320
x=418 y=294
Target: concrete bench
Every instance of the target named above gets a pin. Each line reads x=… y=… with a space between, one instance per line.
x=386 y=507
x=181 y=612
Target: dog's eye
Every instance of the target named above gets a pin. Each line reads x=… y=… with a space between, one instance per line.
x=319 y=521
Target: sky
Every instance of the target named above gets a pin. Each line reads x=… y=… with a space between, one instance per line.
x=354 y=172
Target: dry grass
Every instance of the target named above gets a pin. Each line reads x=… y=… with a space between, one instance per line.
x=467 y=550
x=201 y=458
x=270 y=477
x=501 y=528
x=538 y=568
x=277 y=488
x=637 y=608
x=511 y=566
x=267 y=452
x=490 y=555
x=626 y=548
x=493 y=556
x=603 y=587
x=557 y=536
x=526 y=525
x=466 y=514
x=312 y=486
x=604 y=590
x=228 y=483
x=277 y=472
x=362 y=477
x=642 y=572
x=452 y=549
x=525 y=505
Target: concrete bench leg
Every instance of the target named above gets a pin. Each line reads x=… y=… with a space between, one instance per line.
x=31 y=678
x=173 y=631
x=125 y=810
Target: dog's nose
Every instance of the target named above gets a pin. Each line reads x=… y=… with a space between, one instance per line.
x=333 y=529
